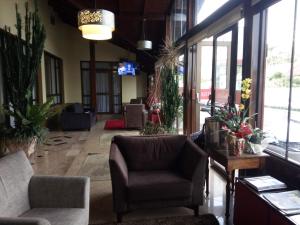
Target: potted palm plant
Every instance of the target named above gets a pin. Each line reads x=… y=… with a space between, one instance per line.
x=21 y=58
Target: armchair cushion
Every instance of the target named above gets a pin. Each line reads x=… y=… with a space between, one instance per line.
x=15 y=174
x=156 y=185
x=150 y=153
x=59 y=192
x=63 y=216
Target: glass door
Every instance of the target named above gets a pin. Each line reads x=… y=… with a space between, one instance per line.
x=103 y=85
x=217 y=67
x=204 y=80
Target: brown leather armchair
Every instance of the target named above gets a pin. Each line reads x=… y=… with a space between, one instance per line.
x=151 y=172
x=135 y=116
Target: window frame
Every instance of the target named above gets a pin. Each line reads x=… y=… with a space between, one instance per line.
x=60 y=90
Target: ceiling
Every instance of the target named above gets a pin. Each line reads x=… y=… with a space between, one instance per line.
x=129 y=15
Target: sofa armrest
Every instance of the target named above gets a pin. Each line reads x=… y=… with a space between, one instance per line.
x=59 y=192
x=119 y=178
x=23 y=221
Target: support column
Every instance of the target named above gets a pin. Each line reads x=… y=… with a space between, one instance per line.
x=93 y=74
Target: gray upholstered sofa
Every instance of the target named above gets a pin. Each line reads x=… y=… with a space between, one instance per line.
x=26 y=199
x=151 y=172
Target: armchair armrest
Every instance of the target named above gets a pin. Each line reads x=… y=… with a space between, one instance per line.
x=59 y=192
x=193 y=161
x=23 y=221
x=119 y=178
x=193 y=167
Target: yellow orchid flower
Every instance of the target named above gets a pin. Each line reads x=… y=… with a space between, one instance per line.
x=241 y=107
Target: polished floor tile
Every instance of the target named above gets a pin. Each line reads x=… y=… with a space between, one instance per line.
x=69 y=154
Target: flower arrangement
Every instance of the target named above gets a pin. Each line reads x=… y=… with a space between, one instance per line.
x=235 y=121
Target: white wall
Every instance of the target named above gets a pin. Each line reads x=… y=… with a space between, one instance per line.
x=66 y=43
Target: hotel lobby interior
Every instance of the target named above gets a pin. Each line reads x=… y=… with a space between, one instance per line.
x=149 y=112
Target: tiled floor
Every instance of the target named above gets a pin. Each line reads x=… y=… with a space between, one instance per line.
x=72 y=153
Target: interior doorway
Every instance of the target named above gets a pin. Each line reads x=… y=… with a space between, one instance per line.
x=108 y=87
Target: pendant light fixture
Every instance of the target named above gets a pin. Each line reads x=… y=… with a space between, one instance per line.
x=96 y=24
x=144 y=44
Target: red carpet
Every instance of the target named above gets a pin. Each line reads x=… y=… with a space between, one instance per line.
x=114 y=124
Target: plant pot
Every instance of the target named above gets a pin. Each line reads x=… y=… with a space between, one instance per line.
x=12 y=145
x=235 y=145
x=212 y=132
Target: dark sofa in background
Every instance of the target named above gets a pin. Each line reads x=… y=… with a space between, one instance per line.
x=74 y=117
x=152 y=172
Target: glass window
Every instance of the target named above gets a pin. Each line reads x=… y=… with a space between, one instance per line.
x=222 y=68
x=205 y=8
x=178 y=19
x=294 y=138
x=53 y=73
x=281 y=96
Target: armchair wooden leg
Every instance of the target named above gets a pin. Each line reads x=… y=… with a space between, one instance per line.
x=196 y=210
x=119 y=217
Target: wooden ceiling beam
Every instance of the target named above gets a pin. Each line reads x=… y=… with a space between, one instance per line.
x=137 y=16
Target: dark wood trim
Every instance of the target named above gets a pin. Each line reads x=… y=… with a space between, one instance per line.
x=247 y=53
x=93 y=74
x=185 y=91
x=233 y=65
x=213 y=79
x=190 y=14
x=168 y=35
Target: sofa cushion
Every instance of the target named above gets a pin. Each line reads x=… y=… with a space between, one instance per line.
x=60 y=216
x=15 y=174
x=150 y=153
x=157 y=185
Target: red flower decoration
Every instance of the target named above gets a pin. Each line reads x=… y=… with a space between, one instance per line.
x=245 y=130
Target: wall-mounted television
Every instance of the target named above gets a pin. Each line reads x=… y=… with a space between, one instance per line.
x=127 y=68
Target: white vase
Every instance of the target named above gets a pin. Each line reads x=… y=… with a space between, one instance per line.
x=254 y=148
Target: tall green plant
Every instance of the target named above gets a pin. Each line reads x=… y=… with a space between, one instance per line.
x=170 y=98
x=21 y=58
